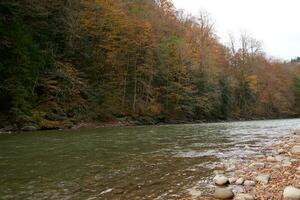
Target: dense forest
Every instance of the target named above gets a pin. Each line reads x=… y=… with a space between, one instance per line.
x=64 y=62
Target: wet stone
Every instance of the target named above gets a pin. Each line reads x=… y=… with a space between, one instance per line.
x=223 y=193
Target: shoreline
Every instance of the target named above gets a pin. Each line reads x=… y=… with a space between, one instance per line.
x=273 y=174
x=124 y=123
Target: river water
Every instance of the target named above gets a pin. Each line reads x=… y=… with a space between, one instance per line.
x=148 y=162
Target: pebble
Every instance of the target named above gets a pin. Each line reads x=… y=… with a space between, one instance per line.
x=219 y=172
x=223 y=193
x=220 y=180
x=281 y=151
x=194 y=193
x=279 y=158
x=239 y=181
x=297 y=132
x=263 y=178
x=291 y=193
x=296 y=149
x=232 y=180
x=249 y=183
x=259 y=156
x=257 y=165
x=286 y=164
x=244 y=197
x=238 y=189
x=276 y=167
x=231 y=168
x=98 y=177
x=271 y=159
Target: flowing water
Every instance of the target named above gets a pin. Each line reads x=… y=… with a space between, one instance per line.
x=149 y=162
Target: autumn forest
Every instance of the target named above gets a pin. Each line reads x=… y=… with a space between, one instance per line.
x=63 y=62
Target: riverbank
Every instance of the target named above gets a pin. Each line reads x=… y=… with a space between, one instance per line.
x=274 y=173
x=120 y=122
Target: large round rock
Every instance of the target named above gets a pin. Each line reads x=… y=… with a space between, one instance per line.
x=291 y=193
x=221 y=180
x=296 y=149
x=223 y=193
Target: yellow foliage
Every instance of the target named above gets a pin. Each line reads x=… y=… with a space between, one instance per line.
x=252 y=83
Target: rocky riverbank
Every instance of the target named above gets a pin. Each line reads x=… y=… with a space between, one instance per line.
x=272 y=174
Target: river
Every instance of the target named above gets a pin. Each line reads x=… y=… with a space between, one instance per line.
x=147 y=162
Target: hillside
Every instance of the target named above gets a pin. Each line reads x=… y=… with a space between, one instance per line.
x=136 y=61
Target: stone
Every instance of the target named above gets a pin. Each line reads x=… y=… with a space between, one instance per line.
x=239 y=181
x=98 y=177
x=232 y=180
x=296 y=149
x=260 y=156
x=220 y=180
x=291 y=193
x=276 y=167
x=223 y=193
x=271 y=159
x=242 y=196
x=219 y=172
x=257 y=165
x=29 y=128
x=298 y=169
x=281 y=151
x=286 y=163
x=231 y=168
x=279 y=158
x=297 y=132
x=238 y=189
x=249 y=183
x=263 y=178
x=194 y=193
x=287 y=173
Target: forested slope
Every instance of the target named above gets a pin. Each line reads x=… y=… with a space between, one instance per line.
x=68 y=61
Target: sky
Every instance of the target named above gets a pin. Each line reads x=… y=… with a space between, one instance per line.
x=276 y=23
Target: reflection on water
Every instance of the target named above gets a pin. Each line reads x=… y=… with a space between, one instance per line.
x=151 y=162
